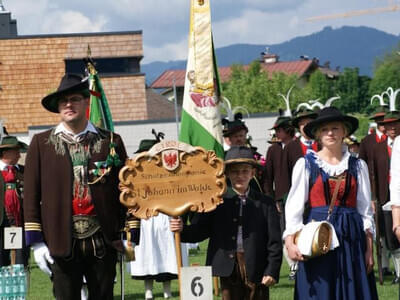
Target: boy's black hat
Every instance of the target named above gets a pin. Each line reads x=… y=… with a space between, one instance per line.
x=240 y=155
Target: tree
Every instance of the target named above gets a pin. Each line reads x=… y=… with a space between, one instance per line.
x=386 y=72
x=319 y=87
x=258 y=91
x=353 y=91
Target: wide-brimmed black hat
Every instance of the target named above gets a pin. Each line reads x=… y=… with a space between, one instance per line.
x=11 y=142
x=240 y=155
x=301 y=114
x=70 y=83
x=282 y=122
x=233 y=126
x=331 y=114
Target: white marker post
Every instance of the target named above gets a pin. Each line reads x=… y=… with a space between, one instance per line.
x=196 y=283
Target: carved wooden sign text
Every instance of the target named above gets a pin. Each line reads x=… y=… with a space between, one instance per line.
x=172 y=178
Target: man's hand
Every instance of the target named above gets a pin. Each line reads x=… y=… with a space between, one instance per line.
x=268 y=280
x=42 y=257
x=176 y=224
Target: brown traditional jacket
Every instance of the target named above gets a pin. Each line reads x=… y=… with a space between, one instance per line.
x=272 y=184
x=48 y=193
x=291 y=153
x=381 y=165
x=366 y=150
x=19 y=186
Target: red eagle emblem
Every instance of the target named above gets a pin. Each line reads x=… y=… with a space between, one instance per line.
x=170 y=159
x=201 y=100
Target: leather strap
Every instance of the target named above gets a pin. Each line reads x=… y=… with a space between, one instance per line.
x=338 y=181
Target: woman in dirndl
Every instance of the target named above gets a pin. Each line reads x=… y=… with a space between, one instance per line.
x=345 y=272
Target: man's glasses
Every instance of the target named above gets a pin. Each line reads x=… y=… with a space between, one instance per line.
x=72 y=100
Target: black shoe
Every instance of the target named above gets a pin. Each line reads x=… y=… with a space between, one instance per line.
x=396 y=280
x=386 y=272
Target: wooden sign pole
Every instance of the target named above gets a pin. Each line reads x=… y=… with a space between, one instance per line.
x=178 y=258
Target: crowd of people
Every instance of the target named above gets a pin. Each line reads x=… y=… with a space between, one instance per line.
x=66 y=198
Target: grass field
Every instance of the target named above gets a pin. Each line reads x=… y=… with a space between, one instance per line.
x=40 y=285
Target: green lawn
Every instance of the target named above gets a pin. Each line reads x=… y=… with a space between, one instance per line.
x=40 y=286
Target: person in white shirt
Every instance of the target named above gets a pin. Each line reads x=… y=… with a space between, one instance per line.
x=345 y=272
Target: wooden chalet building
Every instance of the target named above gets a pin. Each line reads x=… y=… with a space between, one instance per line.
x=31 y=66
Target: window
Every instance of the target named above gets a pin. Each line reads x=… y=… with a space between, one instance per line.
x=106 y=66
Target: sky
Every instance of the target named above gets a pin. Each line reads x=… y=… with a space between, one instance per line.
x=165 y=23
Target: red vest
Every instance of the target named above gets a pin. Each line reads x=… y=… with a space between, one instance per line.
x=317 y=193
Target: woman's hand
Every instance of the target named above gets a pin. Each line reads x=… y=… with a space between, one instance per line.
x=268 y=280
x=369 y=257
x=396 y=221
x=292 y=249
x=176 y=224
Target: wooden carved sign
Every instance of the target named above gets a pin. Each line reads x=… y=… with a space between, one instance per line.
x=172 y=178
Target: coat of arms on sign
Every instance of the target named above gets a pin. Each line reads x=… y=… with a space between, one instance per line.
x=170 y=159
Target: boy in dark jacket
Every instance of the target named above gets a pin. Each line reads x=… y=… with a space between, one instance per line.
x=245 y=248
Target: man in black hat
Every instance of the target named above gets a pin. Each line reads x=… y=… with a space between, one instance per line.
x=245 y=248
x=11 y=197
x=235 y=131
x=378 y=136
x=381 y=156
x=297 y=148
x=366 y=153
x=73 y=216
x=272 y=184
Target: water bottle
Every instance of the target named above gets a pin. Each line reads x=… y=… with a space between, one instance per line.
x=15 y=285
x=7 y=284
x=22 y=284
x=1 y=283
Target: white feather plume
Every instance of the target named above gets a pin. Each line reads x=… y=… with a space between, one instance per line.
x=288 y=112
x=310 y=105
x=230 y=112
x=305 y=104
x=380 y=98
x=392 y=94
x=328 y=102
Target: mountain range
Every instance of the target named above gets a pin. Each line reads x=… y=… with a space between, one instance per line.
x=343 y=47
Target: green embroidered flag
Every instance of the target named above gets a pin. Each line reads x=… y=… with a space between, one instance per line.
x=201 y=120
x=99 y=112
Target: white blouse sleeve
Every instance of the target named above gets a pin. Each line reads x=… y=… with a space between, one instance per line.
x=298 y=196
x=395 y=174
x=364 y=197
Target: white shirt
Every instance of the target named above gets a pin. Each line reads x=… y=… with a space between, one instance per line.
x=3 y=166
x=61 y=128
x=298 y=194
x=378 y=133
x=394 y=176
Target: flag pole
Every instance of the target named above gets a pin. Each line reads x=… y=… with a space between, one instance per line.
x=176 y=108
